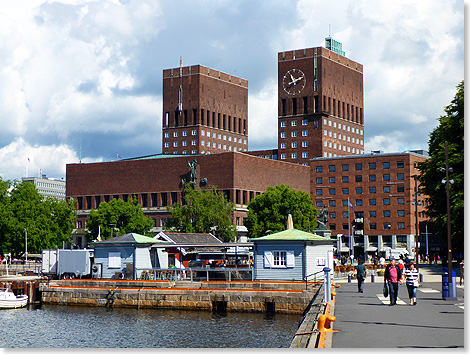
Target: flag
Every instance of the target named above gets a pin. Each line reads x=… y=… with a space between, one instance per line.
x=119 y=157
x=349 y=204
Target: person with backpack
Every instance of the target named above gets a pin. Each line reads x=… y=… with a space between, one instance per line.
x=361 y=273
x=393 y=277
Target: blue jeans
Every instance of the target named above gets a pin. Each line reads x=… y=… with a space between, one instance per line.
x=392 y=292
x=411 y=291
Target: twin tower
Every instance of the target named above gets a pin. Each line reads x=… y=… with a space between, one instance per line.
x=320 y=108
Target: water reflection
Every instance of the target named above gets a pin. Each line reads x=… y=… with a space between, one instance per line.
x=92 y=327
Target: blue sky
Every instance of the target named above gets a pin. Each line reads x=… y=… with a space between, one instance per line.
x=91 y=70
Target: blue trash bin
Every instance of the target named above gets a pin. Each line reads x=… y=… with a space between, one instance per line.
x=454 y=283
x=445 y=285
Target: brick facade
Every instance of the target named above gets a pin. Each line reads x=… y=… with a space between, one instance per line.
x=204 y=111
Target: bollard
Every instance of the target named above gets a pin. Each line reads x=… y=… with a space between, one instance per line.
x=349 y=278
x=372 y=278
x=327 y=284
x=421 y=277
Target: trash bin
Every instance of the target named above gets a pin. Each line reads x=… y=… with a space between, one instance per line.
x=454 y=283
x=445 y=286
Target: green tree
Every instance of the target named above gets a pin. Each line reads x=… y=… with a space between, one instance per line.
x=204 y=211
x=450 y=129
x=267 y=213
x=125 y=216
x=23 y=210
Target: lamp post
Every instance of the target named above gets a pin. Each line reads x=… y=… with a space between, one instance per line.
x=416 y=203
x=26 y=244
x=449 y=239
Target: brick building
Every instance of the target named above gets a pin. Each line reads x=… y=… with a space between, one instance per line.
x=320 y=105
x=375 y=194
x=156 y=181
x=204 y=111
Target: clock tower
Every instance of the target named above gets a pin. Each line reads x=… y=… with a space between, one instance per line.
x=320 y=104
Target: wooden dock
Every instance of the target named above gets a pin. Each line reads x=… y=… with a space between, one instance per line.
x=23 y=285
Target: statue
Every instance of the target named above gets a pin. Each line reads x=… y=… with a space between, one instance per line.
x=323 y=218
x=193 y=175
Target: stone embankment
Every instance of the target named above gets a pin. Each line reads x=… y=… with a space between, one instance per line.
x=243 y=296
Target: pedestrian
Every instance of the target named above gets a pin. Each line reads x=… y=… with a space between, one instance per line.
x=411 y=275
x=392 y=278
x=461 y=273
x=361 y=274
x=382 y=261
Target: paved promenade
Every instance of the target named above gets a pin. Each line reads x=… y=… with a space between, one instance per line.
x=365 y=320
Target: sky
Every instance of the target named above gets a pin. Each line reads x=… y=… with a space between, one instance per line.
x=81 y=80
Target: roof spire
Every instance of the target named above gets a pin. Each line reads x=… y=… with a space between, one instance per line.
x=290 y=223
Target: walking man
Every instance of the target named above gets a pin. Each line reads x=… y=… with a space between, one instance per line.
x=393 y=277
x=361 y=275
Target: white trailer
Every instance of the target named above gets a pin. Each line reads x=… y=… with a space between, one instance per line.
x=49 y=261
x=75 y=263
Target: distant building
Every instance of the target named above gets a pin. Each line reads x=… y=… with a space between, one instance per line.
x=48 y=187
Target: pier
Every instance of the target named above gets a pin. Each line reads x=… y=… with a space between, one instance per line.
x=23 y=285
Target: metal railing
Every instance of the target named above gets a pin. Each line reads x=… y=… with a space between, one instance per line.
x=194 y=274
x=16 y=268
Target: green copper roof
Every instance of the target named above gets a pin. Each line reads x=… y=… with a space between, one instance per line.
x=292 y=235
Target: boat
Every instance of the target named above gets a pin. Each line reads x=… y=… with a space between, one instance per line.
x=8 y=300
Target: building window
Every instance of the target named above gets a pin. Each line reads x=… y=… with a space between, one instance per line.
x=386 y=213
x=345 y=203
x=359 y=178
x=332 y=215
x=304 y=121
x=386 y=177
x=400 y=188
x=358 y=190
x=332 y=191
x=318 y=169
x=386 y=201
x=345 y=214
x=372 y=190
x=331 y=179
x=401 y=201
x=372 y=214
x=167 y=135
x=345 y=190
x=304 y=144
x=332 y=203
x=358 y=202
x=373 y=226
x=294 y=155
x=175 y=134
x=372 y=178
x=331 y=168
x=400 y=176
x=319 y=204
x=185 y=133
x=280 y=259
x=319 y=192
x=401 y=213
x=305 y=155
x=332 y=226
x=387 y=226
x=167 y=145
x=283 y=156
x=358 y=166
x=293 y=145
x=283 y=124
x=372 y=202
x=345 y=179
x=293 y=134
x=346 y=226
x=386 y=165
x=345 y=168
x=283 y=135
x=293 y=123
x=400 y=164
x=304 y=132
x=386 y=189
x=283 y=145
x=319 y=180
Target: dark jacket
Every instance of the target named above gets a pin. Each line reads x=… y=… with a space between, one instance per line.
x=387 y=272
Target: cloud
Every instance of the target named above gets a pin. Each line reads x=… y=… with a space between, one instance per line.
x=88 y=73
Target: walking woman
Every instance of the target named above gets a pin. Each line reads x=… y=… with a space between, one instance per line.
x=412 y=275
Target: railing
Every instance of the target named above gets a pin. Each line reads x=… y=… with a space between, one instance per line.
x=315 y=277
x=16 y=268
x=194 y=274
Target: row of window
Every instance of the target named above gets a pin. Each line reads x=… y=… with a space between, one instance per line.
x=343 y=127
x=343 y=137
x=293 y=134
x=220 y=146
x=293 y=145
x=372 y=226
x=319 y=203
x=359 y=178
x=294 y=155
x=339 y=146
x=359 y=166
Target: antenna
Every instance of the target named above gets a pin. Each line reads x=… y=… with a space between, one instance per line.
x=80 y=154
x=329 y=30
x=180 y=92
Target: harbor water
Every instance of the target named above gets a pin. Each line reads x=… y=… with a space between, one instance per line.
x=52 y=326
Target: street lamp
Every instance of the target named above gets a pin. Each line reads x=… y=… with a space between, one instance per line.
x=416 y=202
x=26 y=244
x=449 y=239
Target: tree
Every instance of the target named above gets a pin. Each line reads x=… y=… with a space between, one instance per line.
x=203 y=211
x=125 y=216
x=450 y=129
x=47 y=222
x=268 y=211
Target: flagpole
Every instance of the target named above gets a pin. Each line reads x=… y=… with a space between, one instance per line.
x=349 y=230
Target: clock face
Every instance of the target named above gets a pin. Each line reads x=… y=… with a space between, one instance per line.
x=293 y=81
